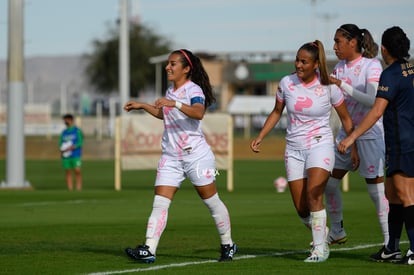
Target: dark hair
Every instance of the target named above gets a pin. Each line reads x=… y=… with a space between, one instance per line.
x=363 y=37
x=67 y=116
x=317 y=51
x=397 y=43
x=197 y=74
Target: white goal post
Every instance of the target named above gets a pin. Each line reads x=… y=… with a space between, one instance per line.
x=138 y=143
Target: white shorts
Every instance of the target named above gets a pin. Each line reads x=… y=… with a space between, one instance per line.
x=200 y=170
x=297 y=162
x=371 y=158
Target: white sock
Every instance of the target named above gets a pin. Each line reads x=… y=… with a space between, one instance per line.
x=377 y=194
x=221 y=217
x=333 y=198
x=307 y=221
x=157 y=222
x=319 y=229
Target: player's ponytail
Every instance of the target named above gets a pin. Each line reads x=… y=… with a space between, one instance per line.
x=323 y=68
x=368 y=44
x=197 y=74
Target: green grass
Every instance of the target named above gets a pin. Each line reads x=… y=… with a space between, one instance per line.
x=52 y=231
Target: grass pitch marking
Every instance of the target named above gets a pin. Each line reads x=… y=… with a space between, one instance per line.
x=241 y=257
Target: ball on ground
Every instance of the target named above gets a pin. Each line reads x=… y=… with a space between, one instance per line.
x=280 y=184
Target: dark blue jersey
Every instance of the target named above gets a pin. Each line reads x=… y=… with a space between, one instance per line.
x=397 y=86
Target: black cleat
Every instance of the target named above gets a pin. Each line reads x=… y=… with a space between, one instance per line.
x=386 y=255
x=141 y=253
x=227 y=252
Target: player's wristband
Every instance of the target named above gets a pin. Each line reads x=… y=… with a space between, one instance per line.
x=178 y=105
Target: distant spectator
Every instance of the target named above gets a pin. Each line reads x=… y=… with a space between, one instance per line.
x=70 y=144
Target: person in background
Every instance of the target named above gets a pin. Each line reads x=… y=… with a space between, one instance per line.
x=70 y=144
x=309 y=155
x=185 y=152
x=394 y=102
x=357 y=74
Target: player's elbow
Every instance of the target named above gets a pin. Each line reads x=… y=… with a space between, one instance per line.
x=198 y=116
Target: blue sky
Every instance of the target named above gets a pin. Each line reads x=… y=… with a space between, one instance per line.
x=66 y=27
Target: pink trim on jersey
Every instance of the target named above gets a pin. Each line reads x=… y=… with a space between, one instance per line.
x=353 y=62
x=339 y=102
x=310 y=83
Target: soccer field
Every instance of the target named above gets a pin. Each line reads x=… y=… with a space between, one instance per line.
x=52 y=231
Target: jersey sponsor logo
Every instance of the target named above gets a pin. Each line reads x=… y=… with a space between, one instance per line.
x=407 y=72
x=302 y=103
x=383 y=88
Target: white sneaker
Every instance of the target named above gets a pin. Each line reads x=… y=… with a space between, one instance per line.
x=316 y=256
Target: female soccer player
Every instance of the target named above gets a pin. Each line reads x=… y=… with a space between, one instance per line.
x=357 y=74
x=309 y=155
x=185 y=152
x=395 y=101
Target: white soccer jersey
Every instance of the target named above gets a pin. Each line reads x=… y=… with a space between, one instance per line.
x=358 y=74
x=182 y=135
x=308 y=108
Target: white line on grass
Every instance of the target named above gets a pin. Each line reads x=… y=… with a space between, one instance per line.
x=47 y=203
x=242 y=257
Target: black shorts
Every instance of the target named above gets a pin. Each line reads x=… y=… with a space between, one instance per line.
x=400 y=163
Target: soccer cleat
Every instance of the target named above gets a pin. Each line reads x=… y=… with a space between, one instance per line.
x=317 y=257
x=227 y=252
x=141 y=253
x=338 y=238
x=408 y=259
x=386 y=255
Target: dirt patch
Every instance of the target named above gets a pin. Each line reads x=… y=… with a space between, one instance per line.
x=271 y=148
